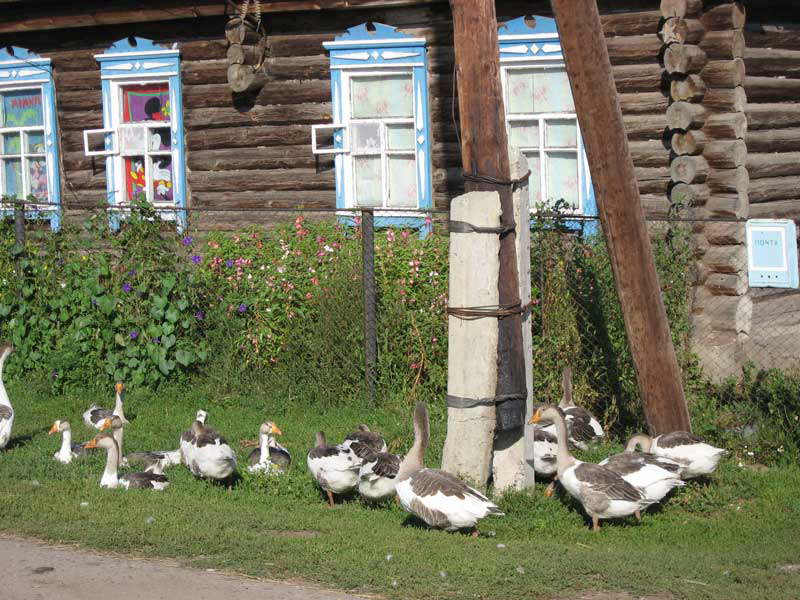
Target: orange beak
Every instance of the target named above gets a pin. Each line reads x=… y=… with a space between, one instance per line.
x=92 y=443
x=119 y=387
x=53 y=429
x=275 y=430
x=537 y=416
x=548 y=492
x=106 y=424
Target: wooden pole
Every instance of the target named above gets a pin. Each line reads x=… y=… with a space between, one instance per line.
x=621 y=214
x=484 y=152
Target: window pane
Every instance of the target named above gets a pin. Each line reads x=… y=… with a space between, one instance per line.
x=145 y=102
x=552 y=93
x=524 y=134
x=12 y=174
x=37 y=171
x=10 y=143
x=132 y=140
x=368 y=182
x=562 y=180
x=22 y=108
x=34 y=142
x=402 y=181
x=520 y=91
x=383 y=96
x=535 y=179
x=162 y=179
x=401 y=137
x=366 y=137
x=562 y=134
x=135 y=186
x=160 y=139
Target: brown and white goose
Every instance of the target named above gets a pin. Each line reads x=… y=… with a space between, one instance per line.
x=68 y=450
x=112 y=480
x=603 y=493
x=209 y=455
x=334 y=467
x=582 y=427
x=117 y=426
x=6 y=411
x=188 y=435
x=95 y=415
x=695 y=456
x=270 y=457
x=377 y=476
x=440 y=499
x=362 y=441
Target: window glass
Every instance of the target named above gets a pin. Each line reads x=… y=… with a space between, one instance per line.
x=561 y=133
x=145 y=102
x=23 y=168
x=22 y=108
x=402 y=182
x=563 y=177
x=524 y=134
x=368 y=181
x=382 y=96
x=162 y=179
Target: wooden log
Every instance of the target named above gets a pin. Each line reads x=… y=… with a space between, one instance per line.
x=303 y=67
x=773 y=140
x=680 y=8
x=655 y=205
x=629 y=22
x=728 y=205
x=773 y=116
x=688 y=142
x=725 y=154
x=689 y=169
x=244 y=78
x=767 y=62
x=725 y=125
x=723 y=45
x=771 y=89
x=725 y=259
x=725 y=16
x=683 y=115
x=784 y=36
x=274 y=92
x=726 y=284
x=779 y=209
x=725 y=99
x=684 y=59
x=270 y=157
x=724 y=73
x=684 y=194
x=643 y=102
x=248 y=137
x=688 y=89
x=652 y=180
x=85 y=81
x=637 y=78
x=80 y=120
x=724 y=234
x=644 y=127
x=767 y=189
x=622 y=215
x=273 y=114
x=263 y=199
x=255 y=180
x=633 y=49
x=235 y=54
x=676 y=30
x=650 y=153
x=235 y=30
x=725 y=181
x=760 y=165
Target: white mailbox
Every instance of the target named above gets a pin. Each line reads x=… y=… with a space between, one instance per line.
x=772 y=253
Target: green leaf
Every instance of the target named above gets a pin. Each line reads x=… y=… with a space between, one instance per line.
x=5 y=309
x=156 y=313
x=138 y=378
x=120 y=339
x=168 y=341
x=171 y=315
x=182 y=304
x=160 y=302
x=167 y=284
x=106 y=304
x=202 y=355
x=185 y=357
x=165 y=366
x=167 y=328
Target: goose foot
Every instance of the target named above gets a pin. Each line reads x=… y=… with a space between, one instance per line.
x=550 y=489
x=595 y=524
x=475 y=533
x=330 y=498
x=638 y=515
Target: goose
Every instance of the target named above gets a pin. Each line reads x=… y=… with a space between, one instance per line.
x=603 y=493
x=582 y=426
x=270 y=456
x=545 y=444
x=116 y=424
x=377 y=476
x=440 y=499
x=110 y=477
x=95 y=415
x=68 y=450
x=367 y=441
x=334 y=467
x=6 y=411
x=209 y=454
x=188 y=435
x=695 y=456
x=155 y=461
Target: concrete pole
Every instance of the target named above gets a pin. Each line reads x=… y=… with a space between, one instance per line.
x=472 y=343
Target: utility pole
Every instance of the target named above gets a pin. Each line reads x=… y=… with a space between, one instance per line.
x=621 y=214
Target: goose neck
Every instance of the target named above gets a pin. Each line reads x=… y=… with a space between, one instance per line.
x=564 y=458
x=414 y=460
x=110 y=478
x=118 y=408
x=4 y=400
x=265 y=439
x=66 y=443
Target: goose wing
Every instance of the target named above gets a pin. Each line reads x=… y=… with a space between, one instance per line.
x=254 y=457
x=370 y=439
x=280 y=456
x=580 y=430
x=145 y=480
x=386 y=465
x=678 y=438
x=607 y=482
x=95 y=416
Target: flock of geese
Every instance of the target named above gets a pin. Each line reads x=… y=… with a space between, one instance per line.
x=621 y=485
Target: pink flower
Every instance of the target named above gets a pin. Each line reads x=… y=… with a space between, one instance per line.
x=390 y=235
x=213 y=244
x=405 y=234
x=315 y=281
x=236 y=239
x=414 y=366
x=357 y=220
x=308 y=296
x=434 y=339
x=428 y=221
x=253 y=236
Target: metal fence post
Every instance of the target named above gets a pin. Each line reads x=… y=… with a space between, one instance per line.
x=370 y=300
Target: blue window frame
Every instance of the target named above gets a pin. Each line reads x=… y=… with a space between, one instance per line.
x=380 y=135
x=29 y=160
x=541 y=119
x=142 y=138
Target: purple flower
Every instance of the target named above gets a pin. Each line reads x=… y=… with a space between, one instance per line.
x=126 y=287
x=132 y=272
x=156 y=340
x=242 y=308
x=187 y=241
x=94 y=302
x=229 y=263
x=196 y=259
x=199 y=315
x=134 y=334
x=54 y=374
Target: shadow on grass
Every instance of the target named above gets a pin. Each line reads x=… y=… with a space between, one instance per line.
x=19 y=441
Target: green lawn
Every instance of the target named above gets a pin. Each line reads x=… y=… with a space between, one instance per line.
x=724 y=539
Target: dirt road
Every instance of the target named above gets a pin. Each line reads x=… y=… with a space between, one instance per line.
x=31 y=570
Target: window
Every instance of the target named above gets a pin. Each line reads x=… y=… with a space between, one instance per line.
x=380 y=135
x=29 y=163
x=142 y=138
x=540 y=115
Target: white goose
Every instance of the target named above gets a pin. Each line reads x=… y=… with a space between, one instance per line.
x=377 y=476
x=440 y=499
x=209 y=454
x=95 y=415
x=188 y=435
x=695 y=456
x=68 y=450
x=270 y=457
x=334 y=467
x=603 y=493
x=6 y=411
x=112 y=480
x=362 y=442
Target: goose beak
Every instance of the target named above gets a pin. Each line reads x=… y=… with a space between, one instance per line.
x=106 y=424
x=53 y=429
x=119 y=387
x=548 y=492
x=92 y=443
x=537 y=416
x=275 y=430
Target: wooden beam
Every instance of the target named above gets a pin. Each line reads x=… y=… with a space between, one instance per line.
x=484 y=152
x=621 y=215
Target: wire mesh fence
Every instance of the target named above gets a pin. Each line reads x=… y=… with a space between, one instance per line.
x=330 y=308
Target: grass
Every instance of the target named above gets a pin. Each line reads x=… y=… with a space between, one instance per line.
x=721 y=539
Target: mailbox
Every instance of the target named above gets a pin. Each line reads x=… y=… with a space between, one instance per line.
x=772 y=253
